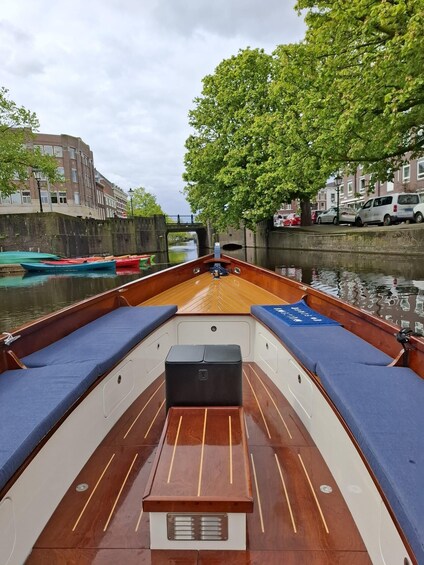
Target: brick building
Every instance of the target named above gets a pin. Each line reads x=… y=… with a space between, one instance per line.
x=79 y=195
x=355 y=188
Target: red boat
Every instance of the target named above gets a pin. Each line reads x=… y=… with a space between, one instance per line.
x=121 y=262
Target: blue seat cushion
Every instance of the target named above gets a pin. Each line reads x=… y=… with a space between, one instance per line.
x=32 y=401
x=384 y=409
x=299 y=314
x=321 y=343
x=106 y=340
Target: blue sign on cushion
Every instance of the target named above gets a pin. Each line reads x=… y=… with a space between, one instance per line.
x=299 y=314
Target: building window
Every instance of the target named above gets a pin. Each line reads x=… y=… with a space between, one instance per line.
x=406 y=172
x=48 y=149
x=390 y=186
x=420 y=169
x=53 y=197
x=362 y=185
x=62 y=198
x=15 y=198
x=342 y=189
x=74 y=176
x=58 y=151
x=61 y=171
x=71 y=153
x=26 y=197
x=77 y=198
x=44 y=197
x=349 y=188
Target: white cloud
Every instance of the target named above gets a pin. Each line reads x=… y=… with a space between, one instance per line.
x=122 y=74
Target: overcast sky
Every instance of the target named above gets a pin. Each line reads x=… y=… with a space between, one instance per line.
x=122 y=74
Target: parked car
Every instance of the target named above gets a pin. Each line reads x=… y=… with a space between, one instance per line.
x=419 y=213
x=292 y=220
x=390 y=209
x=346 y=216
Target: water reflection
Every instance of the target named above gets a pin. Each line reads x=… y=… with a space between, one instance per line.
x=390 y=287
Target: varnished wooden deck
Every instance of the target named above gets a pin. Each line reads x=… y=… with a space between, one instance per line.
x=206 y=295
x=293 y=521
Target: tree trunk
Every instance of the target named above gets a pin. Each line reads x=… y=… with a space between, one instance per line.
x=305 y=212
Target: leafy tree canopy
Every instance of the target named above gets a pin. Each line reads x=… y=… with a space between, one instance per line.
x=296 y=163
x=253 y=148
x=18 y=157
x=228 y=150
x=143 y=203
x=369 y=92
x=268 y=129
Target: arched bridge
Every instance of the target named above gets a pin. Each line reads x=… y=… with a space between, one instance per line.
x=182 y=223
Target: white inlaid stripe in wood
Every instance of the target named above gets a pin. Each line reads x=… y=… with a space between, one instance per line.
x=92 y=492
x=314 y=495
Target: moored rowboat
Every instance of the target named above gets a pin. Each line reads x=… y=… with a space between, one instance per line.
x=322 y=463
x=14 y=257
x=122 y=262
x=68 y=267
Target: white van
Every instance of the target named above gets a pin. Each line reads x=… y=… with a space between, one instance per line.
x=386 y=210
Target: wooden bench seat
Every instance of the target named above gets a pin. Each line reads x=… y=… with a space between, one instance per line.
x=201 y=466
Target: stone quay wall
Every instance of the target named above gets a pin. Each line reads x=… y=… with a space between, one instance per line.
x=404 y=239
x=72 y=237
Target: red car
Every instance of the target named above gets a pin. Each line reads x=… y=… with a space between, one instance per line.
x=292 y=220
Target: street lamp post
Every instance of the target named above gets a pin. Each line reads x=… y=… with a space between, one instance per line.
x=39 y=177
x=131 y=193
x=338 y=181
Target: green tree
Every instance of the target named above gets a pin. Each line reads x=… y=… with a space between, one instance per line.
x=368 y=97
x=227 y=152
x=254 y=147
x=143 y=203
x=296 y=167
x=18 y=157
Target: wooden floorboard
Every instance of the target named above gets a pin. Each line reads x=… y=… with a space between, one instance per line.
x=293 y=521
x=206 y=295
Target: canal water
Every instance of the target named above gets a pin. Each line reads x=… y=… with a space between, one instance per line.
x=390 y=287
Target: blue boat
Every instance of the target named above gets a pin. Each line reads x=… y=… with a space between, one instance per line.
x=13 y=257
x=69 y=268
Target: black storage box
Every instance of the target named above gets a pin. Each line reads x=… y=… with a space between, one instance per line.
x=203 y=375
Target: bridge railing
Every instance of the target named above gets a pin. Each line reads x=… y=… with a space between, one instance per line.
x=181 y=219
